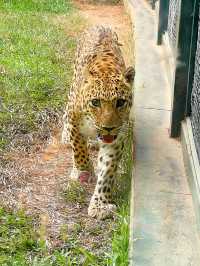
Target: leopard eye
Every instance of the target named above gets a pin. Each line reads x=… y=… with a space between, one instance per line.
x=120 y=103
x=95 y=103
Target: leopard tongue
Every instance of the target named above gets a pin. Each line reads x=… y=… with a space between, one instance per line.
x=107 y=138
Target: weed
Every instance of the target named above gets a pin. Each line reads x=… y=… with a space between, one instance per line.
x=120 y=240
x=75 y=193
x=16 y=237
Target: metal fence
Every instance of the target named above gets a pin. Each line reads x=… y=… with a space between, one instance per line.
x=179 y=21
x=195 y=98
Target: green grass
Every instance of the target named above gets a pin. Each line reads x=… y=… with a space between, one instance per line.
x=16 y=237
x=35 y=64
x=20 y=244
x=75 y=193
x=53 y=6
x=120 y=241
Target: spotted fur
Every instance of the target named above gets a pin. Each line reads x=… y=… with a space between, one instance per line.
x=98 y=107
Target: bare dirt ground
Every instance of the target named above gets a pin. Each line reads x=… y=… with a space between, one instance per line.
x=113 y=16
x=37 y=182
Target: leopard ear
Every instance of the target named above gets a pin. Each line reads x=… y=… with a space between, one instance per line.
x=129 y=75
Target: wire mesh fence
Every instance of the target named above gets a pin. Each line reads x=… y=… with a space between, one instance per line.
x=195 y=99
x=179 y=21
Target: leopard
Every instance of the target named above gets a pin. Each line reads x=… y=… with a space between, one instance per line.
x=98 y=108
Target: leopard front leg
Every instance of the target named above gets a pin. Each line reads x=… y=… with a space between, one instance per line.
x=82 y=166
x=101 y=205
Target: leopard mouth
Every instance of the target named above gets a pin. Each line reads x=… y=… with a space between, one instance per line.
x=107 y=138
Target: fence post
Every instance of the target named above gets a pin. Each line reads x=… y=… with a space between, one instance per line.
x=162 y=19
x=182 y=65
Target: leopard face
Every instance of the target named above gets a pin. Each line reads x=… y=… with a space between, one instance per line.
x=107 y=103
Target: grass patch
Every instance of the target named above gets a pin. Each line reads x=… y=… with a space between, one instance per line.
x=75 y=193
x=120 y=241
x=53 y=6
x=37 y=52
x=16 y=238
x=20 y=245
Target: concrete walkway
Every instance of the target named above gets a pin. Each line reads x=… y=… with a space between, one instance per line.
x=163 y=225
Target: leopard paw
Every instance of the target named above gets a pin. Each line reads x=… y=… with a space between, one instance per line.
x=82 y=176
x=86 y=177
x=102 y=211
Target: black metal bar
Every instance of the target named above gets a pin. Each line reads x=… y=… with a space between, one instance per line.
x=193 y=49
x=162 y=19
x=182 y=65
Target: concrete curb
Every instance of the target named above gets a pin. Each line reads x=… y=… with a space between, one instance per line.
x=130 y=12
x=192 y=165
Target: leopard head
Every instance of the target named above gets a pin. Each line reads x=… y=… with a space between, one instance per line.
x=107 y=101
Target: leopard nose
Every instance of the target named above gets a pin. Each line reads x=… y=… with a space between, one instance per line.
x=109 y=129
